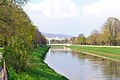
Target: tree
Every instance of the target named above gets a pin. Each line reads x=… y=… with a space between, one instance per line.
x=111 y=28
x=93 y=39
x=39 y=38
x=1 y=40
x=118 y=38
x=81 y=39
x=103 y=39
x=17 y=35
x=16 y=2
x=73 y=40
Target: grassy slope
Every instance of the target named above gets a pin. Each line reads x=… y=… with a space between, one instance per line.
x=110 y=52
x=37 y=69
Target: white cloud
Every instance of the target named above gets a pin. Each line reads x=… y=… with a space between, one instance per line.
x=65 y=16
x=103 y=8
x=55 y=9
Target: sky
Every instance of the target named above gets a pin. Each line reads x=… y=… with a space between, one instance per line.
x=71 y=17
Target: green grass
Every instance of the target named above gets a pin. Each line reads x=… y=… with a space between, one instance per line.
x=109 y=52
x=37 y=69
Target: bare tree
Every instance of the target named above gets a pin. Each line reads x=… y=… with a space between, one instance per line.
x=111 y=28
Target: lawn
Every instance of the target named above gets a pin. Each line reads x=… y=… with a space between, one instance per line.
x=108 y=52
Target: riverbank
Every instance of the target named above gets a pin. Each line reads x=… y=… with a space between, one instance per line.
x=112 y=53
x=37 y=69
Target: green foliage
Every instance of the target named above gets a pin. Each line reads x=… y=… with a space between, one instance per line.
x=37 y=69
x=13 y=2
x=16 y=57
x=17 y=33
x=80 y=40
x=1 y=49
x=1 y=40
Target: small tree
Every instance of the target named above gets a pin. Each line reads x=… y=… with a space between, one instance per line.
x=81 y=40
x=92 y=39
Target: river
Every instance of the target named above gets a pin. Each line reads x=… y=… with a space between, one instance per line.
x=80 y=66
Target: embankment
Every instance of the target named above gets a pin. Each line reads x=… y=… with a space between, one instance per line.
x=112 y=53
x=37 y=69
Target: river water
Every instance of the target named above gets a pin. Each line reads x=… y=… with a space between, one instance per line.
x=80 y=66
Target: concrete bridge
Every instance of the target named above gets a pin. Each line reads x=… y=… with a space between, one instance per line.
x=61 y=44
x=56 y=38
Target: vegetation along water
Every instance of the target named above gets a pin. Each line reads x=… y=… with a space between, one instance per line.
x=37 y=69
x=23 y=44
x=112 y=53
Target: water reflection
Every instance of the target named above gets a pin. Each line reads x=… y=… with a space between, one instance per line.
x=80 y=66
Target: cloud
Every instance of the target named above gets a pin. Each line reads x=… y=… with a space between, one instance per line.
x=55 y=9
x=65 y=16
x=103 y=8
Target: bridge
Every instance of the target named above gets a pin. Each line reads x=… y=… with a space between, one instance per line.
x=60 y=44
x=56 y=38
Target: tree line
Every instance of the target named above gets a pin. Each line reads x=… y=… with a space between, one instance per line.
x=108 y=35
x=18 y=35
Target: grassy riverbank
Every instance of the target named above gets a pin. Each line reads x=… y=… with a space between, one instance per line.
x=37 y=69
x=108 y=52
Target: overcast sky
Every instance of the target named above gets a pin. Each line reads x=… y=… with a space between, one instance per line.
x=71 y=16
